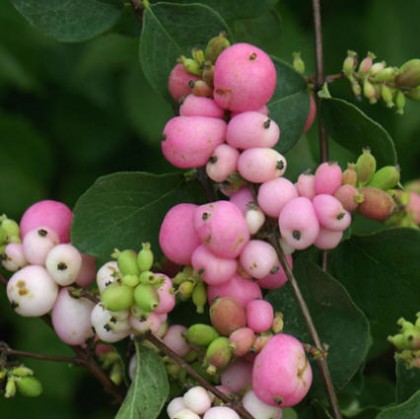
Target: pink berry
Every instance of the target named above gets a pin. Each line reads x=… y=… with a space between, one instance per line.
x=48 y=213
x=311 y=115
x=37 y=243
x=349 y=196
x=252 y=129
x=327 y=178
x=178 y=225
x=328 y=239
x=242 y=198
x=274 y=194
x=194 y=105
x=330 y=213
x=282 y=374
x=244 y=78
x=174 y=339
x=13 y=257
x=222 y=163
x=305 y=185
x=179 y=82
x=87 y=271
x=276 y=279
x=227 y=315
x=222 y=228
x=166 y=295
x=413 y=206
x=189 y=141
x=237 y=376
x=241 y=341
x=211 y=268
x=63 y=263
x=259 y=258
x=260 y=315
x=259 y=165
x=298 y=223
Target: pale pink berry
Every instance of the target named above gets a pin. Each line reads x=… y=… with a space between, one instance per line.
x=107 y=274
x=242 y=198
x=87 y=271
x=252 y=129
x=331 y=214
x=194 y=105
x=110 y=326
x=259 y=315
x=13 y=257
x=222 y=163
x=413 y=206
x=276 y=279
x=221 y=412
x=197 y=399
x=305 y=185
x=186 y=414
x=282 y=374
x=328 y=239
x=241 y=341
x=37 y=243
x=174 y=406
x=177 y=237
x=237 y=376
x=259 y=165
x=221 y=226
x=259 y=409
x=189 y=141
x=349 y=197
x=227 y=315
x=71 y=318
x=259 y=258
x=255 y=218
x=31 y=291
x=166 y=294
x=174 y=339
x=242 y=289
x=63 y=262
x=147 y=323
x=48 y=213
x=298 y=223
x=264 y=110
x=274 y=194
x=211 y=268
x=179 y=82
x=327 y=178
x=244 y=78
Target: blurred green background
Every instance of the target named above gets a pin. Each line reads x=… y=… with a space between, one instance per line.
x=72 y=112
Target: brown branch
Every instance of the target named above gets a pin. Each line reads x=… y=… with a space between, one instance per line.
x=234 y=404
x=319 y=349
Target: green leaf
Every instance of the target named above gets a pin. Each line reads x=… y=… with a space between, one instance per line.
x=340 y=323
x=170 y=30
x=381 y=272
x=408 y=381
x=123 y=210
x=234 y=9
x=289 y=106
x=354 y=130
x=72 y=20
x=407 y=410
x=149 y=389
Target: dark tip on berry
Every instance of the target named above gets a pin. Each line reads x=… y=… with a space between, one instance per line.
x=113 y=320
x=61 y=266
x=267 y=123
x=341 y=215
x=201 y=271
x=163 y=137
x=296 y=234
x=205 y=216
x=107 y=327
x=274 y=270
x=191 y=84
x=253 y=56
x=213 y=159
x=14 y=304
x=42 y=232
x=280 y=165
x=3 y=257
x=278 y=400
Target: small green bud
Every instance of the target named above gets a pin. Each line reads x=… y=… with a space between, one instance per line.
x=190 y=65
x=278 y=323
x=201 y=334
x=3 y=374
x=29 y=386
x=199 y=296
x=400 y=102
x=145 y=258
x=198 y=56
x=385 y=178
x=298 y=63
x=186 y=273
x=386 y=75
x=218 y=355
x=215 y=46
x=356 y=87
x=369 y=91
x=11 y=228
x=146 y=297
x=387 y=96
x=414 y=94
x=127 y=261
x=116 y=374
x=409 y=74
x=130 y=280
x=349 y=64
x=365 y=167
x=21 y=371
x=376 y=68
x=349 y=176
x=398 y=341
x=10 y=389
x=150 y=278
x=366 y=64
x=116 y=297
x=208 y=73
x=185 y=290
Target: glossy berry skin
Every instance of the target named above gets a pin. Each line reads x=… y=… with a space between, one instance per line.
x=222 y=162
x=258 y=258
x=194 y=105
x=327 y=178
x=244 y=78
x=48 y=213
x=282 y=374
x=331 y=214
x=189 y=141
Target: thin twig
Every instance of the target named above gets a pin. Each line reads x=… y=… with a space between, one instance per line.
x=236 y=405
x=138 y=9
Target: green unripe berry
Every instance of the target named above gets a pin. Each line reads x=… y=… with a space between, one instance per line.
x=10 y=227
x=21 y=371
x=369 y=91
x=150 y=278
x=146 y=297
x=298 y=63
x=349 y=63
x=201 y=334
x=400 y=102
x=145 y=258
x=29 y=386
x=130 y=280
x=414 y=93
x=409 y=74
x=215 y=46
x=218 y=355
x=117 y=297
x=387 y=96
x=199 y=296
x=365 y=167
x=190 y=65
x=185 y=290
x=10 y=389
x=127 y=261
x=387 y=74
x=385 y=178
